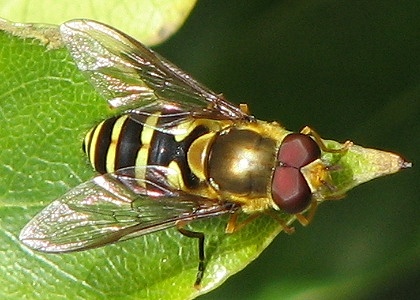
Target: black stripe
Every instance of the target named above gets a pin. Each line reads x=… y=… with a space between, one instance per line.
x=102 y=144
x=129 y=144
x=86 y=148
x=164 y=150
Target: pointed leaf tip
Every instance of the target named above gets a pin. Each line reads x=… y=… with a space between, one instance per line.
x=359 y=165
x=367 y=164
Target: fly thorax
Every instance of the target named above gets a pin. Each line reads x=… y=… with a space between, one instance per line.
x=241 y=162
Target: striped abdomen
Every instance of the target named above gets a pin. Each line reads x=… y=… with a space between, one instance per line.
x=135 y=140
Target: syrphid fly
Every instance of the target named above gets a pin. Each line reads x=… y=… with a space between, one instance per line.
x=178 y=153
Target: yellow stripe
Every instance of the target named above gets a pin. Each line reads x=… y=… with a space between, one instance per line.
x=175 y=178
x=141 y=161
x=94 y=142
x=149 y=128
x=89 y=144
x=112 y=149
x=88 y=138
x=185 y=128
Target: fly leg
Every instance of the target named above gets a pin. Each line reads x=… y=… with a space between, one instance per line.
x=201 y=256
x=309 y=131
x=233 y=224
x=304 y=220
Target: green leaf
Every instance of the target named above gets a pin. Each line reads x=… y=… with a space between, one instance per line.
x=46 y=106
x=149 y=21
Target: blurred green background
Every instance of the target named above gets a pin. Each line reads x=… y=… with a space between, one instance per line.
x=351 y=70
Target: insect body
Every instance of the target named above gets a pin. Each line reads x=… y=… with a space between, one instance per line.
x=217 y=159
x=177 y=153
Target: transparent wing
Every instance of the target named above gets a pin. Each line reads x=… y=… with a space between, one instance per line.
x=167 y=117
x=129 y=74
x=170 y=119
x=114 y=207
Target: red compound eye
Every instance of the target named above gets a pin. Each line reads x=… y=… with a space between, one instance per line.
x=298 y=150
x=290 y=191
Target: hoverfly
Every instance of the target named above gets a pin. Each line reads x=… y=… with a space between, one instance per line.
x=178 y=153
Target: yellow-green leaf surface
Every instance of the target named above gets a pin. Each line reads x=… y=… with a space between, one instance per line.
x=149 y=21
x=46 y=106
